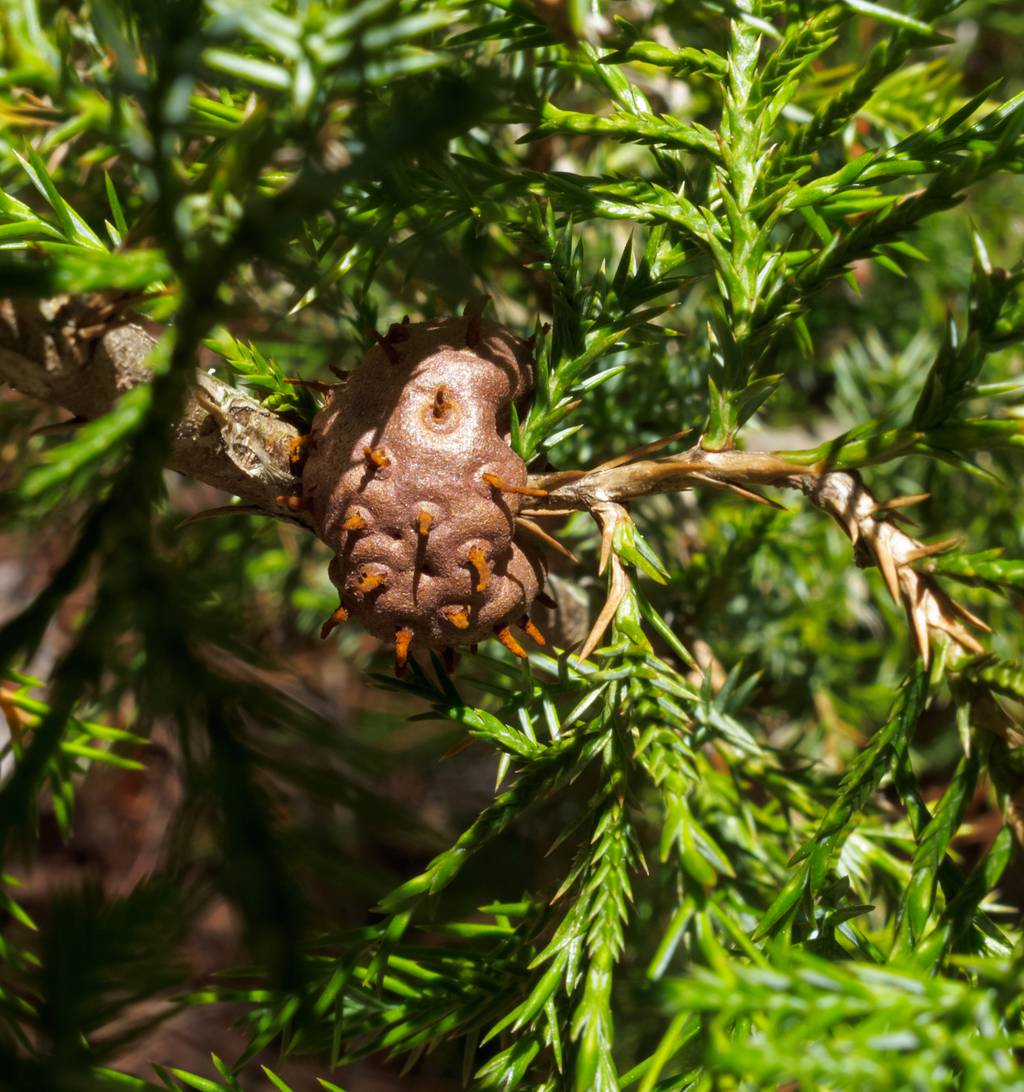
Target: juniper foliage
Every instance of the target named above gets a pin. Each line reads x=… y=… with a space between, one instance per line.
x=780 y=848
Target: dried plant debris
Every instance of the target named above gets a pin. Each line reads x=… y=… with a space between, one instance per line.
x=870 y=524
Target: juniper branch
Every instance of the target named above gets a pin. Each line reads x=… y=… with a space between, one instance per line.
x=73 y=351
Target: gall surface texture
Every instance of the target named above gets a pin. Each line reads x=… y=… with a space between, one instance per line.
x=395 y=478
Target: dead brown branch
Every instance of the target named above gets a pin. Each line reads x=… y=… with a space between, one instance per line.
x=77 y=353
x=876 y=537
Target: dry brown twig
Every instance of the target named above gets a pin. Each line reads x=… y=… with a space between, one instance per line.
x=78 y=353
x=868 y=523
x=609 y=516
